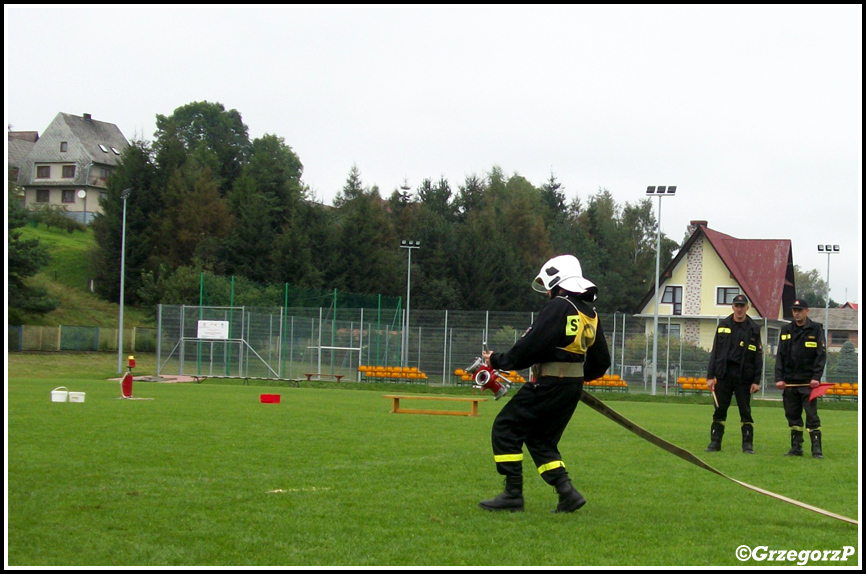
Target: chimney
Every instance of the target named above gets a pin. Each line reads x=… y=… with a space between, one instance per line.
x=87 y=117
x=694 y=224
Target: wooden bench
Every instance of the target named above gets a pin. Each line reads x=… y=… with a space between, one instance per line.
x=473 y=412
x=320 y=375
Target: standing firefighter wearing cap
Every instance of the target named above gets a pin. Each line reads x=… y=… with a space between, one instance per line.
x=799 y=367
x=735 y=370
x=564 y=346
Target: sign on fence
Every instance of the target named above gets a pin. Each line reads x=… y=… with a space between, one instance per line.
x=213 y=330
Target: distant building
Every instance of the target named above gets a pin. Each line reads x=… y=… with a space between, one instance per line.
x=697 y=288
x=841 y=326
x=70 y=163
x=20 y=144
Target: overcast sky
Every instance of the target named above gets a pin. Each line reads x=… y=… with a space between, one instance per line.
x=754 y=112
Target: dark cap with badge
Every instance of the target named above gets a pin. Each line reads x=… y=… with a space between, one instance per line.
x=740 y=300
x=799 y=304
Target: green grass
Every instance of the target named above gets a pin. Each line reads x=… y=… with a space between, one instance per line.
x=67 y=278
x=187 y=479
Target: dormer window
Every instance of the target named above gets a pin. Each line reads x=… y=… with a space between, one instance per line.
x=103 y=148
x=115 y=151
x=64 y=147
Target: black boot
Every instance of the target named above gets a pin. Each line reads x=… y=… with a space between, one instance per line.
x=569 y=498
x=511 y=499
x=748 y=437
x=717 y=431
x=815 y=435
x=796 y=443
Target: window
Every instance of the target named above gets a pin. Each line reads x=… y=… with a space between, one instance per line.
x=64 y=147
x=674 y=296
x=41 y=196
x=103 y=148
x=672 y=330
x=68 y=171
x=725 y=295
x=68 y=196
x=838 y=338
x=43 y=171
x=115 y=151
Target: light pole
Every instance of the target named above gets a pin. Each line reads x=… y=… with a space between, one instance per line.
x=660 y=191
x=124 y=194
x=829 y=250
x=409 y=244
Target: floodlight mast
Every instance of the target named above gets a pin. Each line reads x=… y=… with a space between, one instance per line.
x=124 y=194
x=409 y=244
x=660 y=191
x=829 y=250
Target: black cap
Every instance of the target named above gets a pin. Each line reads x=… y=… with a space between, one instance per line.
x=740 y=300
x=800 y=304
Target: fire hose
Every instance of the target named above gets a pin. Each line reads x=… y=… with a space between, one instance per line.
x=597 y=405
x=488 y=378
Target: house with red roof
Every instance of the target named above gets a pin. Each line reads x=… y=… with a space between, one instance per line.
x=697 y=288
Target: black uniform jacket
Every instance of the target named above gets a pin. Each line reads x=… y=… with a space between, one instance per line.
x=551 y=334
x=802 y=354
x=746 y=349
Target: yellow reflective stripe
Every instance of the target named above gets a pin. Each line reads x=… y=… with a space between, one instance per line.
x=786 y=337
x=753 y=348
x=550 y=466
x=724 y=330
x=811 y=344
x=508 y=457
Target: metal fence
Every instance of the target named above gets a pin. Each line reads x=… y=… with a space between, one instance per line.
x=77 y=338
x=289 y=342
x=282 y=342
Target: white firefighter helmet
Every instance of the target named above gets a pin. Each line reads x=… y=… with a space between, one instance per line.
x=562 y=271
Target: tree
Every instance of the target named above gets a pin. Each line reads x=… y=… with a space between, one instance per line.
x=553 y=196
x=812 y=288
x=195 y=216
x=846 y=364
x=204 y=125
x=25 y=258
x=470 y=195
x=145 y=206
x=352 y=189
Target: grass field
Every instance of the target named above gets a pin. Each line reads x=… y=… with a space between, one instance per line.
x=206 y=475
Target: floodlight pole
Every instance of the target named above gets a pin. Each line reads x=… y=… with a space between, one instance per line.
x=409 y=244
x=829 y=250
x=124 y=194
x=661 y=191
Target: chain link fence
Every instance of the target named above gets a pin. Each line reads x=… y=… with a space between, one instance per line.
x=289 y=342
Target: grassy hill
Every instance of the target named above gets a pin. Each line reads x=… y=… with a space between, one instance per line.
x=67 y=278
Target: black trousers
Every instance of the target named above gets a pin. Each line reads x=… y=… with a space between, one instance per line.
x=796 y=400
x=726 y=388
x=536 y=416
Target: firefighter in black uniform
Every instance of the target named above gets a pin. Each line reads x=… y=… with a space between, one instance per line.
x=799 y=367
x=735 y=370
x=564 y=346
